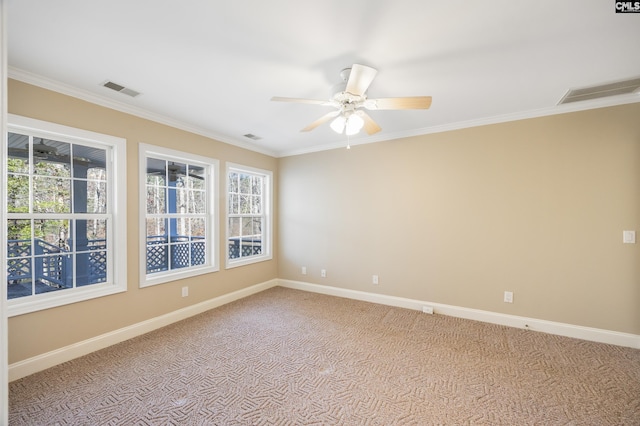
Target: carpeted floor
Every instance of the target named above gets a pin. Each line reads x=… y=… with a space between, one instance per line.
x=287 y=357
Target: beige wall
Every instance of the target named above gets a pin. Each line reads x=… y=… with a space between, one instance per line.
x=40 y=332
x=536 y=207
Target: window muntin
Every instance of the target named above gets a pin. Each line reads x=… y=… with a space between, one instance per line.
x=178 y=227
x=248 y=215
x=61 y=222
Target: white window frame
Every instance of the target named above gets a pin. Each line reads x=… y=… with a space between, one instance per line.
x=267 y=203
x=116 y=206
x=211 y=167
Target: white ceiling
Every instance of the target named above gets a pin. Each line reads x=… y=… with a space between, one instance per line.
x=212 y=66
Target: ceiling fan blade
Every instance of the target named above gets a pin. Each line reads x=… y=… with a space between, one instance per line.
x=321 y=120
x=360 y=78
x=370 y=126
x=414 y=102
x=300 y=100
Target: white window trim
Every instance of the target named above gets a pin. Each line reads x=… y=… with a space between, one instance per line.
x=267 y=238
x=212 y=237
x=118 y=206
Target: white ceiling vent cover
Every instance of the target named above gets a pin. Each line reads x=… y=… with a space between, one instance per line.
x=601 y=91
x=119 y=88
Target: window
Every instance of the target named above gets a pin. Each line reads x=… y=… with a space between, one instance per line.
x=178 y=215
x=248 y=215
x=64 y=215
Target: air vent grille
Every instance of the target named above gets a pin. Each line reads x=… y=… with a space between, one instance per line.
x=119 y=88
x=252 y=136
x=601 y=91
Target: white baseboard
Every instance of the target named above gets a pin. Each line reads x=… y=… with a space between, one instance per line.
x=41 y=362
x=561 y=329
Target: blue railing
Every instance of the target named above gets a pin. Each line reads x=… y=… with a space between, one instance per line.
x=244 y=246
x=51 y=263
x=50 y=267
x=184 y=252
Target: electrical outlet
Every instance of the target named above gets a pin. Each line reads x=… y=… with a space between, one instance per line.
x=375 y=279
x=304 y=270
x=508 y=297
x=185 y=291
x=323 y=273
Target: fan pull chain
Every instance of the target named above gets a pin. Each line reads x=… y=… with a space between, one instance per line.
x=348 y=142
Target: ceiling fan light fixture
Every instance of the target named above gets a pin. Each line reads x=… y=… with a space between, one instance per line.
x=338 y=124
x=354 y=124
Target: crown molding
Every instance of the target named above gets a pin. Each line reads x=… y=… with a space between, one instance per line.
x=504 y=118
x=65 y=89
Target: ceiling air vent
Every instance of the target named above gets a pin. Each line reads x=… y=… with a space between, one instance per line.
x=252 y=136
x=119 y=88
x=601 y=91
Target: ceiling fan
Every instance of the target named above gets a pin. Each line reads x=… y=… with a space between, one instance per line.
x=350 y=96
x=176 y=171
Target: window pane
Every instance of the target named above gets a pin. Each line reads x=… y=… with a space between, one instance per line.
x=198 y=252
x=18 y=153
x=180 y=257
x=234 y=227
x=197 y=202
x=53 y=272
x=17 y=165
x=176 y=171
x=156 y=171
x=90 y=234
x=17 y=194
x=157 y=255
x=89 y=162
x=245 y=204
x=19 y=278
x=245 y=184
x=156 y=227
x=51 y=158
x=91 y=268
x=256 y=205
x=256 y=185
x=257 y=226
x=233 y=182
x=233 y=204
x=247 y=226
x=198 y=227
x=156 y=200
x=18 y=230
x=96 y=197
x=89 y=196
x=98 y=265
x=51 y=195
x=51 y=235
x=196 y=177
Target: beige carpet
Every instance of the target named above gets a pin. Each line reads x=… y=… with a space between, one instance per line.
x=286 y=357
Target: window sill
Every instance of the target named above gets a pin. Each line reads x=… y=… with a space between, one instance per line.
x=230 y=264
x=39 y=302
x=165 y=277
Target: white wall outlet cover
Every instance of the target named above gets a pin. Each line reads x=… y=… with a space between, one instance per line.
x=629 y=237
